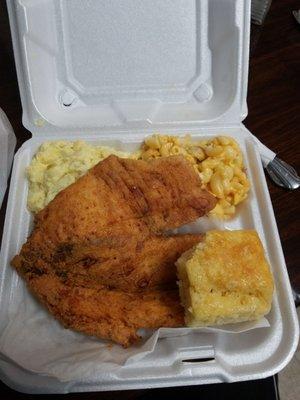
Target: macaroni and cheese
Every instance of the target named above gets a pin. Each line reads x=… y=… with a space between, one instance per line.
x=218 y=161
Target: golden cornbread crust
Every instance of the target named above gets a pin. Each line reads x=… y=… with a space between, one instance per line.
x=225 y=279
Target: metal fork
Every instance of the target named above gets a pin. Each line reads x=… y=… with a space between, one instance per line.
x=283 y=174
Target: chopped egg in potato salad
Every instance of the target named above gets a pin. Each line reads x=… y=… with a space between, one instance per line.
x=58 y=164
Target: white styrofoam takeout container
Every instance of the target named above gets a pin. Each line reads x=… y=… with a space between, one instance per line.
x=112 y=72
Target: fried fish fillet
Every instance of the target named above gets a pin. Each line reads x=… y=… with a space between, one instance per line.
x=97 y=257
x=126 y=263
x=105 y=313
x=95 y=289
x=120 y=196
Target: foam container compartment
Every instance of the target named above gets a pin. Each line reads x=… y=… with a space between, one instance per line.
x=111 y=73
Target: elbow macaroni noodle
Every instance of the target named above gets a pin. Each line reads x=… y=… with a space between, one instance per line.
x=218 y=161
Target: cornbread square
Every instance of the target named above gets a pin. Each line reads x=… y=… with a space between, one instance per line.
x=225 y=279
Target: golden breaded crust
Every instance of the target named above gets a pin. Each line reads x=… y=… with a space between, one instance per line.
x=120 y=196
x=126 y=263
x=224 y=279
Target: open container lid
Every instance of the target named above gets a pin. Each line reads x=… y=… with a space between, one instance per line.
x=113 y=65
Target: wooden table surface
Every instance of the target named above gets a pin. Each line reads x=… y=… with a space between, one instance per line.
x=273 y=116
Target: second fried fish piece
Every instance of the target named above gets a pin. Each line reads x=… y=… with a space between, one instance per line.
x=106 y=313
x=127 y=263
